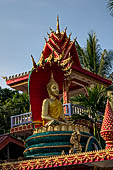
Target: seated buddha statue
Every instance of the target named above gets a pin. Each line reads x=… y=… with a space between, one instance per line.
x=52 y=107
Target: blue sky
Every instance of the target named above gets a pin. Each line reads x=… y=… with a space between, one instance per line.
x=25 y=23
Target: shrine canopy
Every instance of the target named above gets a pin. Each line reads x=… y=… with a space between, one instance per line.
x=59 y=56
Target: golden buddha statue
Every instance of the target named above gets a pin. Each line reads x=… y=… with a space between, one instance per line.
x=52 y=107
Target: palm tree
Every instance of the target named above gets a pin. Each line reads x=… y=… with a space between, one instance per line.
x=110 y=6
x=93 y=58
x=94 y=102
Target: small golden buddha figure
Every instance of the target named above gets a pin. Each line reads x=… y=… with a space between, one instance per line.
x=52 y=107
x=110 y=96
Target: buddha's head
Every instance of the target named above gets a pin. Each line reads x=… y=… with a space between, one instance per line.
x=52 y=87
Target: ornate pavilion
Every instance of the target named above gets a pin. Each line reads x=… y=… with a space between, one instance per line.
x=59 y=146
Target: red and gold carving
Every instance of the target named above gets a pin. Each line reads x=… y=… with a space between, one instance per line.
x=59 y=161
x=107 y=126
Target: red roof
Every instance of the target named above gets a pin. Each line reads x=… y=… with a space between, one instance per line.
x=5 y=139
x=14 y=80
x=92 y=75
x=59 y=44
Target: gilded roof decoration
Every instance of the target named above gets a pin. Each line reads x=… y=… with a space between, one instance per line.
x=60 y=161
x=16 y=76
x=57 y=50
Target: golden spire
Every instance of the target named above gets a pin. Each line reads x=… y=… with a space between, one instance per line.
x=58 y=28
x=52 y=78
x=51 y=81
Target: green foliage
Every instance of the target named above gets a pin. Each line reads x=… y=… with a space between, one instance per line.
x=11 y=103
x=94 y=102
x=77 y=116
x=100 y=62
x=93 y=58
x=110 y=6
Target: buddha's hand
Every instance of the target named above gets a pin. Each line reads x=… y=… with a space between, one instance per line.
x=62 y=120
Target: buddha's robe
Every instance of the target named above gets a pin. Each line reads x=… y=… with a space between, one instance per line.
x=55 y=109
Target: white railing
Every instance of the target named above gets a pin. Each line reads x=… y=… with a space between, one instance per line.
x=21 y=119
x=70 y=109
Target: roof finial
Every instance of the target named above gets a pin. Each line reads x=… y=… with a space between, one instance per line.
x=58 y=29
x=34 y=64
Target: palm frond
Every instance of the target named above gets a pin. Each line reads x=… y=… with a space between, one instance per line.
x=93 y=59
x=81 y=54
x=108 y=63
x=102 y=62
x=110 y=6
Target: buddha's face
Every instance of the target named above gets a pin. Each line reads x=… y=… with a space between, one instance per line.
x=54 y=90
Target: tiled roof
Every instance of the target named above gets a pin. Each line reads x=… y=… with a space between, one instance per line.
x=7 y=138
x=3 y=137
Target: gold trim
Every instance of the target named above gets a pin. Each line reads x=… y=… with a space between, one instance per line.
x=60 y=160
x=26 y=82
x=43 y=147
x=88 y=141
x=37 y=121
x=109 y=142
x=52 y=39
x=67 y=134
x=106 y=130
x=58 y=27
